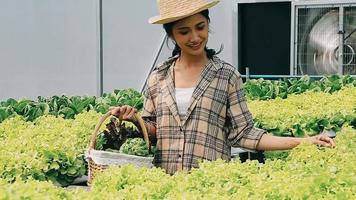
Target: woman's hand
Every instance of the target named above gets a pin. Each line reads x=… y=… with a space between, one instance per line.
x=271 y=143
x=124 y=113
x=322 y=140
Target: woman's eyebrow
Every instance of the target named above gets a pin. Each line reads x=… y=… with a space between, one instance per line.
x=186 y=27
x=200 y=23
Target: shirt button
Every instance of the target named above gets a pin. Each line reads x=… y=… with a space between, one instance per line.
x=179 y=155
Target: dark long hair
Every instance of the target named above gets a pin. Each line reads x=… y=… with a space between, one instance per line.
x=176 y=51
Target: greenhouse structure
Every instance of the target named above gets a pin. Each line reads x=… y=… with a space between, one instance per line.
x=91 y=99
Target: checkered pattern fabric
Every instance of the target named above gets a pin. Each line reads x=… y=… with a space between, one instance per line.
x=217 y=118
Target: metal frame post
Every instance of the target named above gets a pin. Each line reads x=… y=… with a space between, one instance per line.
x=100 y=51
x=235 y=32
x=153 y=65
x=341 y=40
x=294 y=39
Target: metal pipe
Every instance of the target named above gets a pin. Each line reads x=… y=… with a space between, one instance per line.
x=284 y=76
x=235 y=32
x=341 y=41
x=293 y=42
x=323 y=3
x=247 y=73
x=154 y=61
x=101 y=50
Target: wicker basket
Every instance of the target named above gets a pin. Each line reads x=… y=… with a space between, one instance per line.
x=100 y=160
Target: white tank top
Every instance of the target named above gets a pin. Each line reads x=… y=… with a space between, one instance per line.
x=183 y=96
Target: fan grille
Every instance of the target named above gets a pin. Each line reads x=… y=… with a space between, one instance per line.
x=318 y=40
x=350 y=41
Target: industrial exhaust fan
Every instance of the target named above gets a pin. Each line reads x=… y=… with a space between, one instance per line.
x=325 y=39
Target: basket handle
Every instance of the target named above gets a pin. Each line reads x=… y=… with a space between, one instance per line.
x=137 y=117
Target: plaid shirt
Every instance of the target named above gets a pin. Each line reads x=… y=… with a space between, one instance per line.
x=217 y=118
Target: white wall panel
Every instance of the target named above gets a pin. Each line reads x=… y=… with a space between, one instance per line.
x=131 y=43
x=51 y=47
x=48 y=48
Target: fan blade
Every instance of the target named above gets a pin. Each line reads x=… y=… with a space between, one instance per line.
x=323 y=44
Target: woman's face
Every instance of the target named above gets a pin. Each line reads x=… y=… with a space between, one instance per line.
x=191 y=34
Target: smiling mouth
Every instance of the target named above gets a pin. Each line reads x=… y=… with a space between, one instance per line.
x=195 y=46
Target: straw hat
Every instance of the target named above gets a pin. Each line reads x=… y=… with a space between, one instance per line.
x=173 y=10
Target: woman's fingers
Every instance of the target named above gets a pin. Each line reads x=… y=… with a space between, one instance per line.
x=130 y=113
x=324 y=140
x=328 y=140
x=322 y=143
x=115 y=111
x=124 y=112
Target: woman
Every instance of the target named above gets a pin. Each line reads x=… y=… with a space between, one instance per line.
x=194 y=102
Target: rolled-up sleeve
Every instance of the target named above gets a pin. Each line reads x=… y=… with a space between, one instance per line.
x=241 y=131
x=149 y=107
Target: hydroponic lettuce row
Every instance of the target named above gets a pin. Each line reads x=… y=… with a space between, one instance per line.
x=49 y=148
x=306 y=114
x=309 y=172
x=32 y=190
x=41 y=145
x=68 y=107
x=260 y=89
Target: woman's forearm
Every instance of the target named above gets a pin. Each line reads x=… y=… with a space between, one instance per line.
x=270 y=142
x=151 y=130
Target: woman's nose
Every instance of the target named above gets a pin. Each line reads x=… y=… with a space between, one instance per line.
x=195 y=36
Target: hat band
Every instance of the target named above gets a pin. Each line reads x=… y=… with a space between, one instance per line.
x=172 y=8
x=175 y=11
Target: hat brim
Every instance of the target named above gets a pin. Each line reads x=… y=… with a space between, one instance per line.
x=159 y=20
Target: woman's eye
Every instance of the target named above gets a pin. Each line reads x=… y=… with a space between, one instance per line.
x=200 y=28
x=184 y=32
